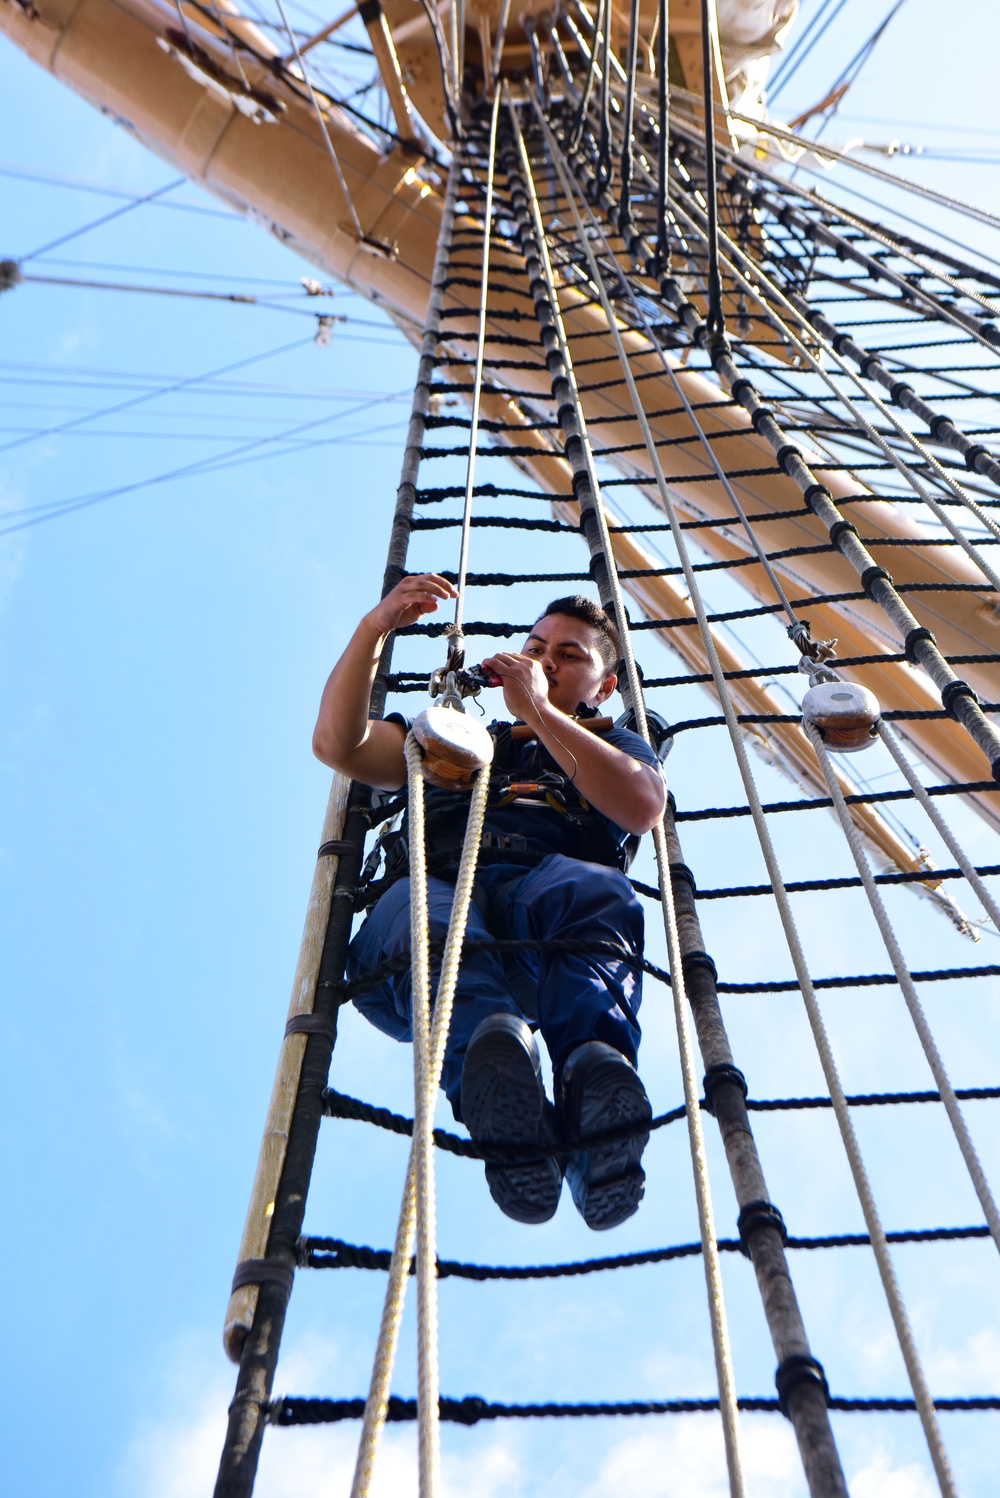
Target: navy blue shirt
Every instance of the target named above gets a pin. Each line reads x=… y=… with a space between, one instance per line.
x=549 y=830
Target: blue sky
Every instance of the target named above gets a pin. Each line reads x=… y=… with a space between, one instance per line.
x=161 y=655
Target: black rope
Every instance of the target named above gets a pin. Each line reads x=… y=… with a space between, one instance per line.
x=894 y=715
x=316 y=1252
x=809 y=886
x=348 y=988
x=341 y=1105
x=861 y=798
x=292 y=1410
x=495 y=522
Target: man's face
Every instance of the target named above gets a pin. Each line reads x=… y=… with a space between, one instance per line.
x=566 y=649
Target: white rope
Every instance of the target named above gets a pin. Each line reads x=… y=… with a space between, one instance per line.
x=906 y=183
x=905 y=981
x=418 y=1202
x=498 y=45
x=868 y=393
x=949 y=839
x=477 y=386
x=876 y=1233
x=696 y=1137
x=902 y=430
x=335 y=159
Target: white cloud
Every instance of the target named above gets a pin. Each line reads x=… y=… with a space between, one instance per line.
x=178 y=1456
x=973 y=1368
x=880 y=1480
x=687 y=1458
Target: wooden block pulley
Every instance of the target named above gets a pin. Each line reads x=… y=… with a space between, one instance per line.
x=455 y=747
x=847 y=715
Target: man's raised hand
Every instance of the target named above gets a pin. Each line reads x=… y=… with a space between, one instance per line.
x=409 y=600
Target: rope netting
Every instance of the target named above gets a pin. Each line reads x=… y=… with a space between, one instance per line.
x=721 y=383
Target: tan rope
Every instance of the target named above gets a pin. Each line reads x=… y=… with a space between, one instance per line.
x=897 y=1309
x=429 y=1042
x=477 y=383
x=331 y=152
x=906 y=983
x=692 y=1092
x=951 y=842
x=749 y=284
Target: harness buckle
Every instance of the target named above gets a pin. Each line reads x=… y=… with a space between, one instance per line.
x=503 y=842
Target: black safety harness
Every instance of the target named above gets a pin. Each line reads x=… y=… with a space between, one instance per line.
x=522 y=775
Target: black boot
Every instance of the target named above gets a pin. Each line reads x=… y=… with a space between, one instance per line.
x=599 y=1092
x=504 y=1103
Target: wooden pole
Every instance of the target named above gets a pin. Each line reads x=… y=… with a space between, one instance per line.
x=256 y=1231
x=285 y=1209
x=321 y=36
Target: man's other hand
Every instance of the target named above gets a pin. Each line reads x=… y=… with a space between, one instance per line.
x=409 y=600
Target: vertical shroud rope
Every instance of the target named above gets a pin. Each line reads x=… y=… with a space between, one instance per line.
x=808 y=1410
x=919 y=643
x=715 y=320
x=556 y=346
x=416 y=1216
x=758 y=279
x=258 y=1359
x=477 y=387
x=908 y=987
x=417 y=1211
x=897 y=1309
x=334 y=158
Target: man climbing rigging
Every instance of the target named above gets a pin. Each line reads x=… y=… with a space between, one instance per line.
x=566 y=807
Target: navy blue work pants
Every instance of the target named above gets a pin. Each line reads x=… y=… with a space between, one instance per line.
x=570 y=996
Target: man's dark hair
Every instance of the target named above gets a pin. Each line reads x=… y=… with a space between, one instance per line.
x=579 y=606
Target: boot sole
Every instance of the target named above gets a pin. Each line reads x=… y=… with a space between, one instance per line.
x=607 y=1180
x=503 y=1103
